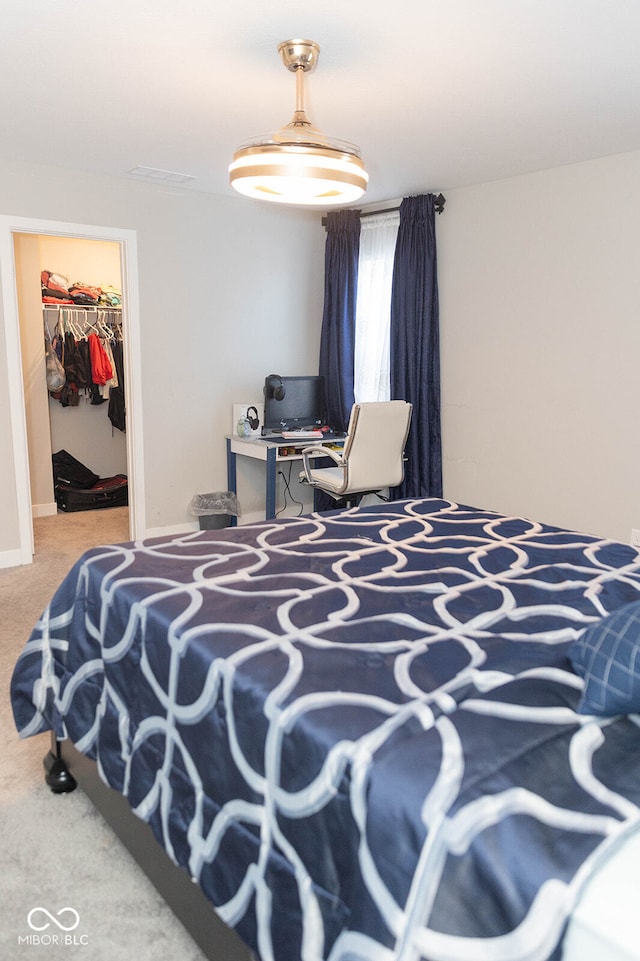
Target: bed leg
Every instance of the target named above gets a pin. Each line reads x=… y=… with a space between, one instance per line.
x=57 y=774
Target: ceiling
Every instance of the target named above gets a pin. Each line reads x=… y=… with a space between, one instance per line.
x=436 y=93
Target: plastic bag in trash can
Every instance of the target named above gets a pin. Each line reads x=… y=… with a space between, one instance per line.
x=220 y=502
x=214 y=510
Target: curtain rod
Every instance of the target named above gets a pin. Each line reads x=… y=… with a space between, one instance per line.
x=438 y=202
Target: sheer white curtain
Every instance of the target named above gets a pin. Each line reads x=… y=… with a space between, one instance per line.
x=375 y=270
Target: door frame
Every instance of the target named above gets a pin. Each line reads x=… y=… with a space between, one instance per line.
x=127 y=239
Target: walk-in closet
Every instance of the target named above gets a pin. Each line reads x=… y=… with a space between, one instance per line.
x=70 y=296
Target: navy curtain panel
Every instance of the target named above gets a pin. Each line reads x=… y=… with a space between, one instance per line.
x=415 y=345
x=337 y=339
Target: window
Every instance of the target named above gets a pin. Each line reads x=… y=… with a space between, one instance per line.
x=373 y=306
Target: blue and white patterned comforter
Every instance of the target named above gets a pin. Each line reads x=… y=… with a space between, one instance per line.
x=357 y=731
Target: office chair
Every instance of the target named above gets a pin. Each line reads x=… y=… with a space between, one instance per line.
x=372 y=457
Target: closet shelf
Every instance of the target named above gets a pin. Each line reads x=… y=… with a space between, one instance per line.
x=80 y=307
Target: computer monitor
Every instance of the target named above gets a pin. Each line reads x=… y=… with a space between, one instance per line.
x=293 y=403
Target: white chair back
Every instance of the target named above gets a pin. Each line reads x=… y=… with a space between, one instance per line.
x=374 y=447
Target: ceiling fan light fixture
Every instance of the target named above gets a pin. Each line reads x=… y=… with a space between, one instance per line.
x=298 y=164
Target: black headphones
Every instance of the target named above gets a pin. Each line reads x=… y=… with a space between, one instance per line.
x=254 y=420
x=273 y=387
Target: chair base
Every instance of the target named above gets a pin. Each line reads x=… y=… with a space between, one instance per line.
x=353 y=500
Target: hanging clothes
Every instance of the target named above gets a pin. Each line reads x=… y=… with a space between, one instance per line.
x=83 y=360
x=89 y=344
x=101 y=370
x=108 y=349
x=117 y=407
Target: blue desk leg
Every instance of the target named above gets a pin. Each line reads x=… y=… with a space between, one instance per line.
x=231 y=475
x=270 y=493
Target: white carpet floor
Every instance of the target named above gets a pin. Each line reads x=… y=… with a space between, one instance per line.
x=56 y=851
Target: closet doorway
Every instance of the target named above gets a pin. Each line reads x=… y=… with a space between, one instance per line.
x=98 y=256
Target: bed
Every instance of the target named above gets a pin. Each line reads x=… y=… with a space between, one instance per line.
x=391 y=733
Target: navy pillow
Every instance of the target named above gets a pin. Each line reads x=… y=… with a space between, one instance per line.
x=607 y=656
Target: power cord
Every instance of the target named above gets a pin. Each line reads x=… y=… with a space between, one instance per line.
x=287 y=490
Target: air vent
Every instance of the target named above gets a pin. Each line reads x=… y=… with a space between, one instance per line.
x=165 y=176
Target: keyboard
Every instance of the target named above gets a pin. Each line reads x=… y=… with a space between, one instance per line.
x=302 y=434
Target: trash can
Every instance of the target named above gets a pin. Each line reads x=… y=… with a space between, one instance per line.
x=214 y=510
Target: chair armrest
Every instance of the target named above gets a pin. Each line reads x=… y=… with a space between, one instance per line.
x=310 y=452
x=324 y=452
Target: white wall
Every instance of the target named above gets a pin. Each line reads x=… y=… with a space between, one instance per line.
x=230 y=290
x=36 y=398
x=539 y=280
x=540 y=292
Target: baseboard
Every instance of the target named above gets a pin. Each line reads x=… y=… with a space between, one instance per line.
x=44 y=510
x=172 y=530
x=14 y=559
x=251 y=517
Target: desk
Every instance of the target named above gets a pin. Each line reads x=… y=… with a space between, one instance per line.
x=271 y=452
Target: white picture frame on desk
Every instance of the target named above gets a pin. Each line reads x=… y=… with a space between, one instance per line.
x=239 y=411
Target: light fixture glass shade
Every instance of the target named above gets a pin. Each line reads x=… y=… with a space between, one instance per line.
x=298 y=164
x=292 y=173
